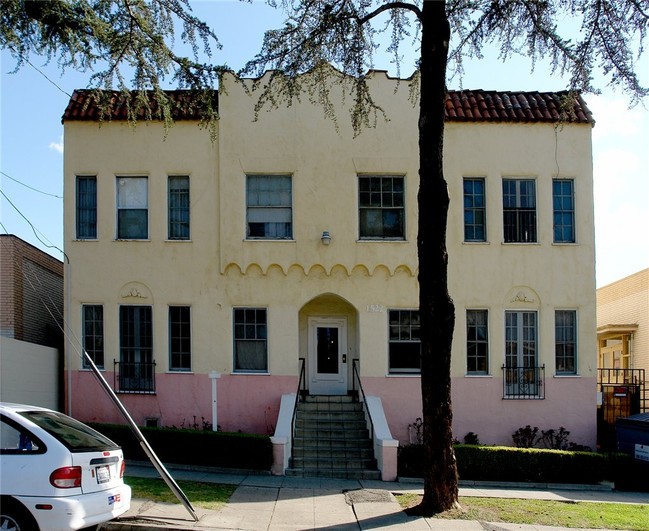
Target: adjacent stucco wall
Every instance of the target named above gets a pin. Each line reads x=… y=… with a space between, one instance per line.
x=219 y=269
x=30 y=373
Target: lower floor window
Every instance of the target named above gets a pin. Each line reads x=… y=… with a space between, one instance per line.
x=477 y=342
x=136 y=373
x=404 y=343
x=250 y=340
x=523 y=378
x=93 y=334
x=180 y=341
x=565 y=341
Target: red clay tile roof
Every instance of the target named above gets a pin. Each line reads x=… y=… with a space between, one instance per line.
x=460 y=106
x=83 y=106
x=497 y=106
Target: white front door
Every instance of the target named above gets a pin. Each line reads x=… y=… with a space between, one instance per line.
x=327 y=356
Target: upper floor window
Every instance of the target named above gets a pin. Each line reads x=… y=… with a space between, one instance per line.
x=565 y=341
x=477 y=342
x=381 y=207
x=178 y=207
x=250 y=340
x=132 y=208
x=474 y=210
x=563 y=206
x=86 y=208
x=404 y=342
x=93 y=334
x=519 y=210
x=269 y=207
x=180 y=338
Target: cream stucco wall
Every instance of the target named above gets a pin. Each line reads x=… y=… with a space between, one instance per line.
x=361 y=280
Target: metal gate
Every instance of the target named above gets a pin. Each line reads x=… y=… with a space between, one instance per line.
x=623 y=393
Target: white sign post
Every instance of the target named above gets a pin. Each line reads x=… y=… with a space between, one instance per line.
x=214 y=376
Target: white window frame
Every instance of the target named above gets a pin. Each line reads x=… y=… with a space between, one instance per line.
x=263 y=214
x=129 y=205
x=575 y=371
x=399 y=341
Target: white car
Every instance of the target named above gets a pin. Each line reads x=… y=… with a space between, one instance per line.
x=56 y=473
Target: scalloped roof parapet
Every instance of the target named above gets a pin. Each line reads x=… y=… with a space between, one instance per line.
x=460 y=106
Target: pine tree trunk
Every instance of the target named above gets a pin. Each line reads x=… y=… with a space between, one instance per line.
x=435 y=305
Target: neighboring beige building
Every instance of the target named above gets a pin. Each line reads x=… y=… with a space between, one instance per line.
x=287 y=239
x=623 y=323
x=623 y=348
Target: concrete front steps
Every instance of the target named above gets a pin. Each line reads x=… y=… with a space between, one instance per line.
x=332 y=440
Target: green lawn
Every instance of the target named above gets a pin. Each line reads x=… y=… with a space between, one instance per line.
x=542 y=512
x=206 y=495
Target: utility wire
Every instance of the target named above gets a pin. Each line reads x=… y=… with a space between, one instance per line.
x=30 y=187
x=50 y=245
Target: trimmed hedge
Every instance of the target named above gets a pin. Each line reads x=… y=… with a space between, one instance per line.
x=503 y=463
x=194 y=447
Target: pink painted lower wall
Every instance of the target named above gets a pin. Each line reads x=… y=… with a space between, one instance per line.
x=478 y=407
x=247 y=403
x=250 y=403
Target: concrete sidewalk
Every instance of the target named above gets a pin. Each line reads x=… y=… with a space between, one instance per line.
x=290 y=504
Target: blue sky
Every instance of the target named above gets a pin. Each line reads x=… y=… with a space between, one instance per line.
x=33 y=99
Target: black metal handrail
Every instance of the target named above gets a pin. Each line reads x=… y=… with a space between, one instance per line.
x=301 y=389
x=134 y=377
x=524 y=383
x=357 y=378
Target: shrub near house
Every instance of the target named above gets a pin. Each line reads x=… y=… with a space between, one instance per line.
x=195 y=447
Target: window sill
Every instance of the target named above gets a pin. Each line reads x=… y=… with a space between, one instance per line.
x=273 y=240
x=403 y=375
x=566 y=376
x=523 y=398
x=469 y=375
x=520 y=243
x=381 y=240
x=86 y=240
x=172 y=371
x=132 y=239
x=184 y=240
x=564 y=244
x=88 y=369
x=249 y=373
x=477 y=242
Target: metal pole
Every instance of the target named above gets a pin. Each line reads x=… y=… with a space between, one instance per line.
x=143 y=442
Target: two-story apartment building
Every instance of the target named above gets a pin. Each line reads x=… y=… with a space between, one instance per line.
x=290 y=238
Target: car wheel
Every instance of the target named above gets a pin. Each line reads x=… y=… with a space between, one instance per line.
x=14 y=517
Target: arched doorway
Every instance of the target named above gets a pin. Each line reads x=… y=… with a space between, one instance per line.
x=328 y=342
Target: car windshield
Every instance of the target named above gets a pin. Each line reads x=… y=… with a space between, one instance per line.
x=76 y=436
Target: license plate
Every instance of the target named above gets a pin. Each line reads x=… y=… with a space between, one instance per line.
x=103 y=474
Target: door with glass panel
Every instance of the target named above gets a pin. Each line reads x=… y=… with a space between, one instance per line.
x=327 y=356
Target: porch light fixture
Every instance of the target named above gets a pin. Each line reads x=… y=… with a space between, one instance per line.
x=325 y=238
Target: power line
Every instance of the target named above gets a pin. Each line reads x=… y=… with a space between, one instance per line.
x=49 y=245
x=30 y=187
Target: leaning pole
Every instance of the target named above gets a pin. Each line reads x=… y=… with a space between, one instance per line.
x=143 y=442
